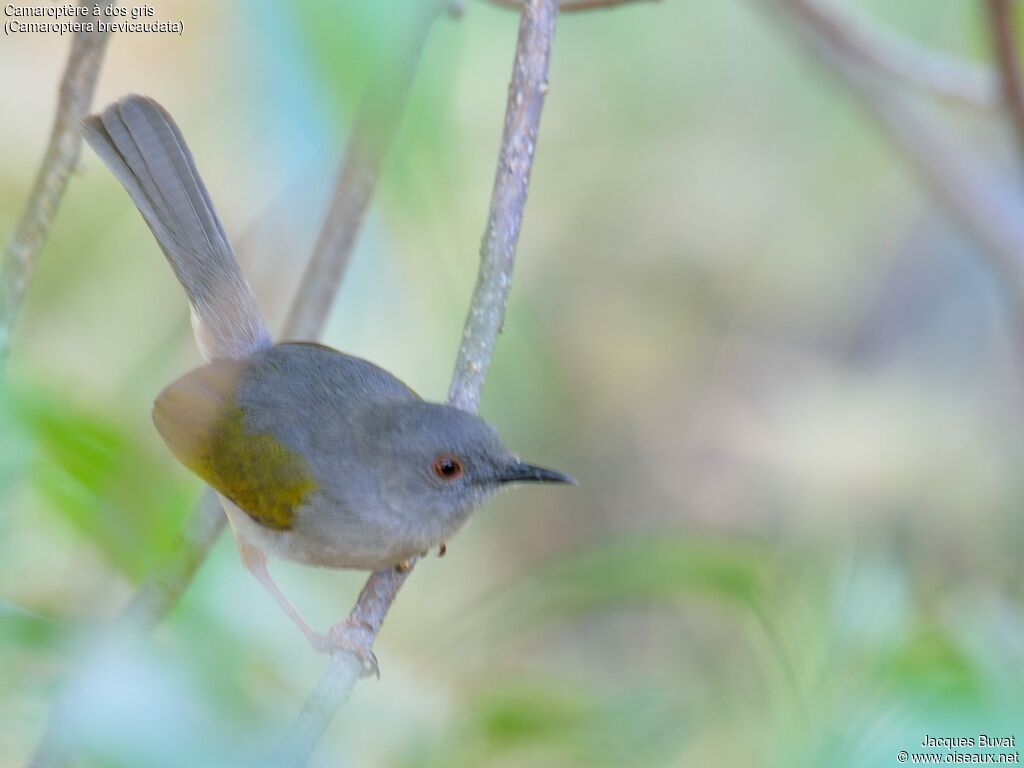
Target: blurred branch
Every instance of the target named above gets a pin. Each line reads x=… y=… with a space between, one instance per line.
x=148 y=606
x=951 y=174
x=872 y=44
x=483 y=324
x=61 y=157
x=1004 y=45
x=374 y=130
x=570 y=6
x=162 y=588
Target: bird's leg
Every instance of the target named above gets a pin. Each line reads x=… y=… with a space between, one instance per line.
x=350 y=635
x=355 y=637
x=256 y=561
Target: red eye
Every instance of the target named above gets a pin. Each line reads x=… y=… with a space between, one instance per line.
x=447 y=467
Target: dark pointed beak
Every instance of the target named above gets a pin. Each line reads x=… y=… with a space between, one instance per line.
x=521 y=472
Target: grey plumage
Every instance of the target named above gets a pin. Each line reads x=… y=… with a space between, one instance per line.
x=145 y=151
x=318 y=457
x=366 y=440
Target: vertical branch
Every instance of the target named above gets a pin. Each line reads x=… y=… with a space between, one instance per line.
x=483 y=324
x=1004 y=45
x=61 y=157
x=511 y=180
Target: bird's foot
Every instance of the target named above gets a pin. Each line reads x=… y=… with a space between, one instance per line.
x=442 y=549
x=404 y=566
x=350 y=636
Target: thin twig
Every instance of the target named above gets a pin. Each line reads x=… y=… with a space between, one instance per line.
x=943 y=76
x=952 y=175
x=483 y=324
x=1004 y=45
x=375 y=127
x=570 y=6
x=373 y=132
x=61 y=157
x=339 y=678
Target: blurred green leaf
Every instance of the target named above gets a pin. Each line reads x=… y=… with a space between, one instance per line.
x=643 y=570
x=344 y=41
x=517 y=716
x=355 y=45
x=98 y=477
x=22 y=628
x=516 y=721
x=930 y=664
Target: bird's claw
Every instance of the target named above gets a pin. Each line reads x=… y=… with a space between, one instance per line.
x=349 y=636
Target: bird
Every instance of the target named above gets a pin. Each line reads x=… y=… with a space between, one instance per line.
x=317 y=456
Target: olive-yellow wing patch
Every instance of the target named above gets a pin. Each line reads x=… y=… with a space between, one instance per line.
x=205 y=428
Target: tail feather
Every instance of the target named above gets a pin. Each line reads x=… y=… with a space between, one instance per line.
x=141 y=145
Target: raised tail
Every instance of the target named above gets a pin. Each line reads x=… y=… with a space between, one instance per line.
x=141 y=145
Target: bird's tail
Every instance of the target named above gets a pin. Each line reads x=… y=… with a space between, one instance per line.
x=143 y=148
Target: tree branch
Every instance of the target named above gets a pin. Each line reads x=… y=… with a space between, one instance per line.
x=526 y=93
x=953 y=177
x=1004 y=45
x=374 y=128
x=862 y=40
x=571 y=6
x=61 y=157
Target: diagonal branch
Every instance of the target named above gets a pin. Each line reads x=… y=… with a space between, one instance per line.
x=952 y=176
x=373 y=132
x=61 y=157
x=1004 y=44
x=483 y=324
x=862 y=40
x=486 y=313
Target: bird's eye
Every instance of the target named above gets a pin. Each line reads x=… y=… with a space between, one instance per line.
x=447 y=467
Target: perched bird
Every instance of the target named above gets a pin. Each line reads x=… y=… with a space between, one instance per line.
x=318 y=457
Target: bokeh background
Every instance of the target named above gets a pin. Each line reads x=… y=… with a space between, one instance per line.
x=789 y=383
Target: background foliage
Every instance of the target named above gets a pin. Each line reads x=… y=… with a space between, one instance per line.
x=789 y=386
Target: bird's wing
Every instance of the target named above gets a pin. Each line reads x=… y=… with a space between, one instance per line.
x=203 y=425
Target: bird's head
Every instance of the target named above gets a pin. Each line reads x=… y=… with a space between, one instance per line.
x=439 y=461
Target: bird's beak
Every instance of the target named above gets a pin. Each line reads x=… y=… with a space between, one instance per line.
x=521 y=472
